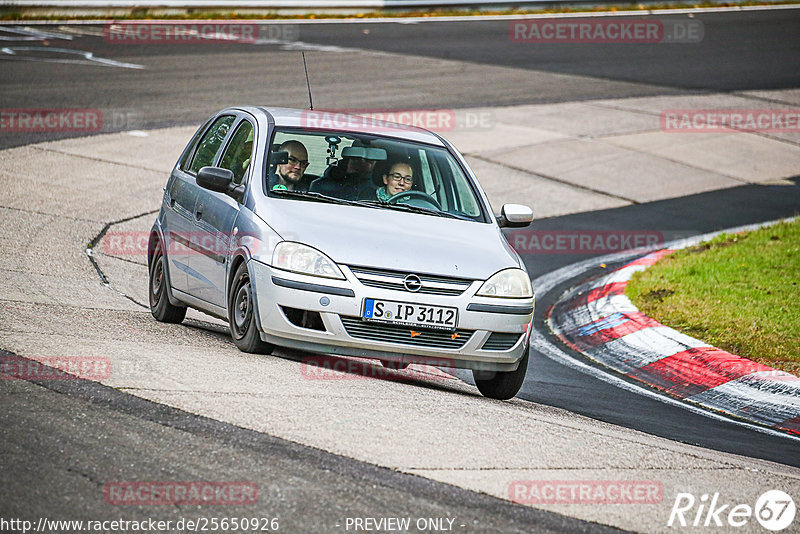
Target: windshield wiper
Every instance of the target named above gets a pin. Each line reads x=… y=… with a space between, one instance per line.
x=365 y=203
x=316 y=196
x=414 y=209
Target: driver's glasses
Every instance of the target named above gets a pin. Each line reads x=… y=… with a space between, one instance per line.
x=294 y=162
x=397 y=177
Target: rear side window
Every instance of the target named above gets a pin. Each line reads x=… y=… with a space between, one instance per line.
x=209 y=144
x=186 y=158
x=238 y=152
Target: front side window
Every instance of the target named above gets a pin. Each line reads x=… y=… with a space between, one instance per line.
x=210 y=143
x=367 y=169
x=238 y=153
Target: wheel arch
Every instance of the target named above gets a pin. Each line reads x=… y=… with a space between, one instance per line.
x=156 y=240
x=237 y=259
x=152 y=242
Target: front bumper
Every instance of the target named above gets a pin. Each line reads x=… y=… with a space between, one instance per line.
x=492 y=333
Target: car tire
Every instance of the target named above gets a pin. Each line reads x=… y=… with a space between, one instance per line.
x=160 y=306
x=502 y=385
x=242 y=314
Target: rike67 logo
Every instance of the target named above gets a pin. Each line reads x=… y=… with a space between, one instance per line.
x=774 y=510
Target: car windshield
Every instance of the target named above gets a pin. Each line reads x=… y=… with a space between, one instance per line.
x=372 y=171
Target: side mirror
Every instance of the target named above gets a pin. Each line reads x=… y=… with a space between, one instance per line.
x=515 y=216
x=219 y=180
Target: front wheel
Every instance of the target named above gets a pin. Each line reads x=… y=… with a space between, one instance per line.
x=242 y=314
x=502 y=385
x=160 y=306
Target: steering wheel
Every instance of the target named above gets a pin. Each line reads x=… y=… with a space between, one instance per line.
x=414 y=196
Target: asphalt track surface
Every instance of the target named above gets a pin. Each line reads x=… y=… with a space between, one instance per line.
x=725 y=60
x=59 y=470
x=740 y=51
x=184 y=84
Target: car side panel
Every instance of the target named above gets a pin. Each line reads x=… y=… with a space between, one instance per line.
x=178 y=223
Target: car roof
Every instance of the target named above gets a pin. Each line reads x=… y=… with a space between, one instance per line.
x=329 y=120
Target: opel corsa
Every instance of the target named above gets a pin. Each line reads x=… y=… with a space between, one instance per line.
x=342 y=235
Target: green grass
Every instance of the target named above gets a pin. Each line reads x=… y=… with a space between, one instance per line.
x=738 y=292
x=17 y=14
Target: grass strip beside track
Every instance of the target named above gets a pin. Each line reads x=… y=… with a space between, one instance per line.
x=17 y=13
x=737 y=292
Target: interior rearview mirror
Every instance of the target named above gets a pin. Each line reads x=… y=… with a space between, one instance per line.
x=364 y=152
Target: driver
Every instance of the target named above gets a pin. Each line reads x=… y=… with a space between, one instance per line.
x=399 y=179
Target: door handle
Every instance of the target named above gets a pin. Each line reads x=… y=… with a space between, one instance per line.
x=198 y=215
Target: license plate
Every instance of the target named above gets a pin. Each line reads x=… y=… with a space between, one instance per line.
x=406 y=313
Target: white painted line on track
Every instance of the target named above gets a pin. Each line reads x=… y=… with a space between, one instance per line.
x=81 y=31
x=11 y=52
x=30 y=34
x=643 y=341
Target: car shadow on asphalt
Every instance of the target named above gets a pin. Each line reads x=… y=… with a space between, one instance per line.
x=328 y=367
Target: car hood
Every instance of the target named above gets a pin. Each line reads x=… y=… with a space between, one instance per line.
x=396 y=240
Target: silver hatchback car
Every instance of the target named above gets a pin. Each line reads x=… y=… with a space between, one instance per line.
x=342 y=235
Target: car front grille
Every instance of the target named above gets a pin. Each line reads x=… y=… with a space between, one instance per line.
x=441 y=339
x=431 y=285
x=500 y=341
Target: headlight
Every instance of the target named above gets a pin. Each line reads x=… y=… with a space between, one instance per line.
x=300 y=258
x=508 y=283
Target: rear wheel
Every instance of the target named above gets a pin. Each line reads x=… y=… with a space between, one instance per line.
x=160 y=306
x=242 y=314
x=502 y=385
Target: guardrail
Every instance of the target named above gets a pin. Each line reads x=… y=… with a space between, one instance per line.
x=271 y=4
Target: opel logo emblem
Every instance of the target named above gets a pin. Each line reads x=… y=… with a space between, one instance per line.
x=412 y=283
